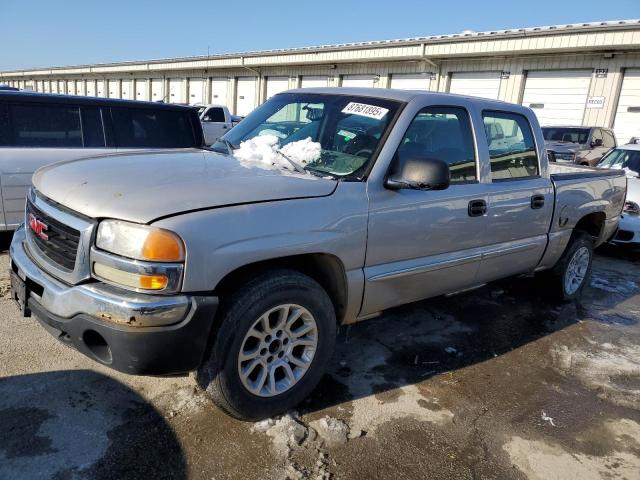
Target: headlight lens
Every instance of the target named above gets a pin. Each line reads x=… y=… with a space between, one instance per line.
x=631 y=207
x=140 y=242
x=565 y=157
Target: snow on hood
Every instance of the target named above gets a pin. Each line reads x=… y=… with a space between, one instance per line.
x=263 y=151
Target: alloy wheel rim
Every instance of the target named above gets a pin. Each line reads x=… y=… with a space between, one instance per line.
x=277 y=350
x=576 y=270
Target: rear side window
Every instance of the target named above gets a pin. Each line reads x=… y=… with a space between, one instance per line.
x=214 y=115
x=35 y=125
x=442 y=133
x=512 y=149
x=142 y=128
x=608 y=140
x=92 y=129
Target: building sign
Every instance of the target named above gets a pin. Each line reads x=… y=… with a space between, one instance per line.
x=595 y=102
x=505 y=75
x=601 y=72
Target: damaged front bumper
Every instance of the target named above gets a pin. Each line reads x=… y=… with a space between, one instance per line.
x=130 y=332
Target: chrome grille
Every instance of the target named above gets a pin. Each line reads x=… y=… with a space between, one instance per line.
x=61 y=244
x=63 y=249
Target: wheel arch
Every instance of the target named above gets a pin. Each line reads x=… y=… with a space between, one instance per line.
x=593 y=224
x=326 y=269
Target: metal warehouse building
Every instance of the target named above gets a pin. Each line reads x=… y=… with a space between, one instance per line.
x=581 y=74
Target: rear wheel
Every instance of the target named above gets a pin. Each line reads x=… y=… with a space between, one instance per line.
x=275 y=340
x=573 y=271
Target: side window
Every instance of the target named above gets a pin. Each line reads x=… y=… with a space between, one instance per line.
x=214 y=114
x=512 y=149
x=442 y=133
x=92 y=129
x=142 y=128
x=596 y=135
x=45 y=125
x=608 y=139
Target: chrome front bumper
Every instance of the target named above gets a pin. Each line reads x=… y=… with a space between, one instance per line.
x=131 y=332
x=96 y=299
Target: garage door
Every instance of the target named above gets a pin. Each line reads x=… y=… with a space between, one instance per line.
x=91 y=88
x=627 y=121
x=313 y=81
x=196 y=90
x=71 y=87
x=62 y=86
x=557 y=96
x=276 y=85
x=81 y=87
x=142 y=90
x=476 y=84
x=245 y=96
x=127 y=90
x=410 y=81
x=113 y=87
x=175 y=91
x=219 y=87
x=157 y=87
x=360 y=81
x=100 y=88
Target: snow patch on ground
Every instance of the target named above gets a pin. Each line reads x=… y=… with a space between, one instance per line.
x=369 y=412
x=619 y=286
x=542 y=461
x=262 y=151
x=613 y=370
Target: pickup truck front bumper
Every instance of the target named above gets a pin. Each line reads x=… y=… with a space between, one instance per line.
x=134 y=333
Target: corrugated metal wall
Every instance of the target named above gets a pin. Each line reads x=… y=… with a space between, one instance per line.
x=606 y=54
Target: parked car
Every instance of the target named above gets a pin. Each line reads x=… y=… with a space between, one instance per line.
x=8 y=88
x=216 y=121
x=581 y=145
x=242 y=265
x=627 y=158
x=37 y=129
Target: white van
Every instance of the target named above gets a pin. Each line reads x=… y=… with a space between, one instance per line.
x=37 y=129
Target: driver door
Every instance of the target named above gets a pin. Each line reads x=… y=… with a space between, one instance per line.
x=214 y=125
x=426 y=243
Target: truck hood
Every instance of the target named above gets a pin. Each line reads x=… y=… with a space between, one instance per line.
x=141 y=187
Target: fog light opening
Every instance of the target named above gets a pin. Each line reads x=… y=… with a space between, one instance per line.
x=98 y=346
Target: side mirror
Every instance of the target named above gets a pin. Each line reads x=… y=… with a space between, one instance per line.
x=419 y=174
x=597 y=142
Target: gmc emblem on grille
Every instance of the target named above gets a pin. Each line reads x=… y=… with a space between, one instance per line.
x=38 y=227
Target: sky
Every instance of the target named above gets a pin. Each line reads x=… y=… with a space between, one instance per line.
x=38 y=33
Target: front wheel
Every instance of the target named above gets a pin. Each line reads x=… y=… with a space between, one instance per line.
x=573 y=271
x=275 y=340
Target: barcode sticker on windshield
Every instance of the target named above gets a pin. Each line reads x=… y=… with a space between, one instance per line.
x=365 y=110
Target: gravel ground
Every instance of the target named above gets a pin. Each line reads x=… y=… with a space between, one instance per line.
x=496 y=383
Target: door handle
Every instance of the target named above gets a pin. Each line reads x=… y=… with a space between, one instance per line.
x=477 y=208
x=537 y=201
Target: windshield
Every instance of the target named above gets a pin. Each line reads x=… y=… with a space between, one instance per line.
x=335 y=135
x=628 y=160
x=562 y=134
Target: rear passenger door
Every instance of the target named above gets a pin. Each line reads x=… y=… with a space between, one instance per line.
x=426 y=243
x=520 y=199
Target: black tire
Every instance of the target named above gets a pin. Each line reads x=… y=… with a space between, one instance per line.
x=559 y=272
x=219 y=375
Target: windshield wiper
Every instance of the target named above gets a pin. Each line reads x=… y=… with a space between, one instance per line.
x=229 y=145
x=295 y=165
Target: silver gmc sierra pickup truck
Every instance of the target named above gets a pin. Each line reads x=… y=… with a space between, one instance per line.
x=322 y=208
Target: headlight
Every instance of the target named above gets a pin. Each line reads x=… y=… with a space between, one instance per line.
x=138 y=257
x=631 y=207
x=139 y=242
x=565 y=157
